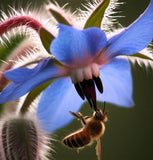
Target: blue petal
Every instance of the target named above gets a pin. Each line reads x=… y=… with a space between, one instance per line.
x=117 y=82
x=72 y=43
x=18 y=88
x=22 y=74
x=134 y=38
x=56 y=102
x=96 y=39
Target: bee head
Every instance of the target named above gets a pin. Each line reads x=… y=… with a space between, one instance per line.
x=101 y=114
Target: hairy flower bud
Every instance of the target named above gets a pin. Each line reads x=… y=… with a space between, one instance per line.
x=21 y=139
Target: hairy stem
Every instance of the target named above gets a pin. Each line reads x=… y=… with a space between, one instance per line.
x=19 y=21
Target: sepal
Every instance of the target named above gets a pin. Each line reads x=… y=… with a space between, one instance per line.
x=59 y=17
x=96 y=17
x=142 y=56
x=46 y=38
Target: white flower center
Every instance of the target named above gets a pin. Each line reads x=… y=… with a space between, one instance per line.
x=85 y=73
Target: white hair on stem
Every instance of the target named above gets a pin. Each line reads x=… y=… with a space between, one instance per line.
x=32 y=45
x=109 y=17
x=63 y=11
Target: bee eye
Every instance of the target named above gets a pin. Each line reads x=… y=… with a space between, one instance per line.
x=97 y=115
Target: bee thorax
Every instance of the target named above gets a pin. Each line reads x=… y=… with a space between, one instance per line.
x=95 y=128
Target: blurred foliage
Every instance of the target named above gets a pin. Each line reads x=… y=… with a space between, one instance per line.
x=10 y=45
x=129 y=131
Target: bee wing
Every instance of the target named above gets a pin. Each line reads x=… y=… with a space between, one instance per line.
x=98 y=149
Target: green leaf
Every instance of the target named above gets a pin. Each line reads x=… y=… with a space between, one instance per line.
x=59 y=17
x=46 y=38
x=96 y=17
x=33 y=95
x=140 y=55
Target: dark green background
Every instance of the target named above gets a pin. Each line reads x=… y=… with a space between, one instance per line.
x=129 y=131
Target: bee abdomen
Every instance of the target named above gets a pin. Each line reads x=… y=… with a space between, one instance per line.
x=77 y=140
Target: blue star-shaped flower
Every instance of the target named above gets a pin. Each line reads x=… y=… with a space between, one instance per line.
x=86 y=58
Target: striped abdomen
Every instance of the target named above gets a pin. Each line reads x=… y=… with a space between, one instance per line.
x=78 y=139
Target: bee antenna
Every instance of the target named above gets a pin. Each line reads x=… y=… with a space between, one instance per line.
x=74 y=114
x=104 y=107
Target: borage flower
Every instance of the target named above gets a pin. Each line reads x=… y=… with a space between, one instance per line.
x=83 y=58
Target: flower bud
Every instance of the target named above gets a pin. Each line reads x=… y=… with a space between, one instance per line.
x=21 y=139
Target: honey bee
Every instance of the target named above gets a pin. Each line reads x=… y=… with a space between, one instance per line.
x=93 y=129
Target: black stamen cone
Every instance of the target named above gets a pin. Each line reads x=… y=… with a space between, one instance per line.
x=79 y=90
x=89 y=92
x=94 y=104
x=98 y=83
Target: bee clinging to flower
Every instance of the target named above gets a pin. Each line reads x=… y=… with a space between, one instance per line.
x=93 y=129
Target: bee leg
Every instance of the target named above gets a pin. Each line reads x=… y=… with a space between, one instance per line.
x=79 y=116
x=87 y=117
x=104 y=107
x=98 y=149
x=78 y=150
x=82 y=118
